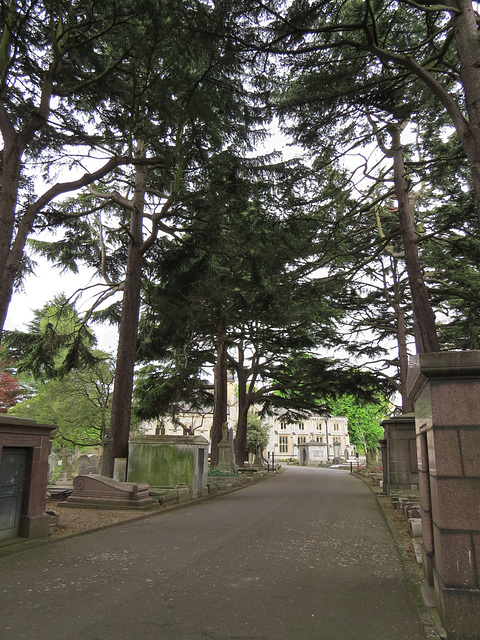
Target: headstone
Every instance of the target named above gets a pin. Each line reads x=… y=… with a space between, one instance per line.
x=259 y=460
x=337 y=456
x=120 y=469
x=107 y=453
x=233 y=464
x=52 y=466
x=64 y=453
x=225 y=453
x=82 y=462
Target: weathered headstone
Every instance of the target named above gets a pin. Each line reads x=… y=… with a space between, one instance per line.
x=225 y=452
x=52 y=466
x=82 y=462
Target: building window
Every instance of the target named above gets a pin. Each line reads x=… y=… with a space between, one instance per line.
x=301 y=426
x=319 y=426
x=319 y=438
x=283 y=426
x=302 y=439
x=335 y=426
x=283 y=444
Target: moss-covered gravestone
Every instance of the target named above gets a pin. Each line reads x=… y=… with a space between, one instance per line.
x=166 y=461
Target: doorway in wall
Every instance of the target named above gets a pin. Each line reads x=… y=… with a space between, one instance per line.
x=12 y=479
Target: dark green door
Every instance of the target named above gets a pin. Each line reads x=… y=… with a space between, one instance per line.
x=12 y=477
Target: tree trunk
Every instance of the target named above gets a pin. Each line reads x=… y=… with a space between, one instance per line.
x=425 y=335
x=128 y=329
x=220 y=396
x=468 y=47
x=407 y=403
x=240 y=444
x=8 y=201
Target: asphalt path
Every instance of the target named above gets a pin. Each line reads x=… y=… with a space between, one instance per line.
x=305 y=555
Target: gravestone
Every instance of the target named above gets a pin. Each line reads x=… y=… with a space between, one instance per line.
x=337 y=455
x=52 y=466
x=225 y=451
x=259 y=460
x=166 y=461
x=233 y=464
x=82 y=462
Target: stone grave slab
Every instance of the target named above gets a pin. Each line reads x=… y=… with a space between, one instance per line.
x=100 y=491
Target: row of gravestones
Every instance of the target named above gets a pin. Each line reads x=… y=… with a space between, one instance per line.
x=66 y=465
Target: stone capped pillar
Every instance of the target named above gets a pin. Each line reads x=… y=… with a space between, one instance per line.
x=32 y=440
x=445 y=389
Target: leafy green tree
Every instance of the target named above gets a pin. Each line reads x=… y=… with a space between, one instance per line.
x=78 y=404
x=70 y=382
x=364 y=420
x=420 y=49
x=257 y=433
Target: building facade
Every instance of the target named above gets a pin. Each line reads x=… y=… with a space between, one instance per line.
x=285 y=435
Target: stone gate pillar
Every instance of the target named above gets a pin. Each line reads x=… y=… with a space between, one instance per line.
x=445 y=388
x=25 y=437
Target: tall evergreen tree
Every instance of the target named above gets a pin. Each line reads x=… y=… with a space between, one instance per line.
x=53 y=59
x=179 y=101
x=351 y=64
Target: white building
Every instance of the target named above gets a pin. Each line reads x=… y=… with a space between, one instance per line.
x=332 y=431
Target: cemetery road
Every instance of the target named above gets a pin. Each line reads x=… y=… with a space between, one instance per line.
x=306 y=555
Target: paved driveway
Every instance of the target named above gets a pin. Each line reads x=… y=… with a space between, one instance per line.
x=306 y=555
